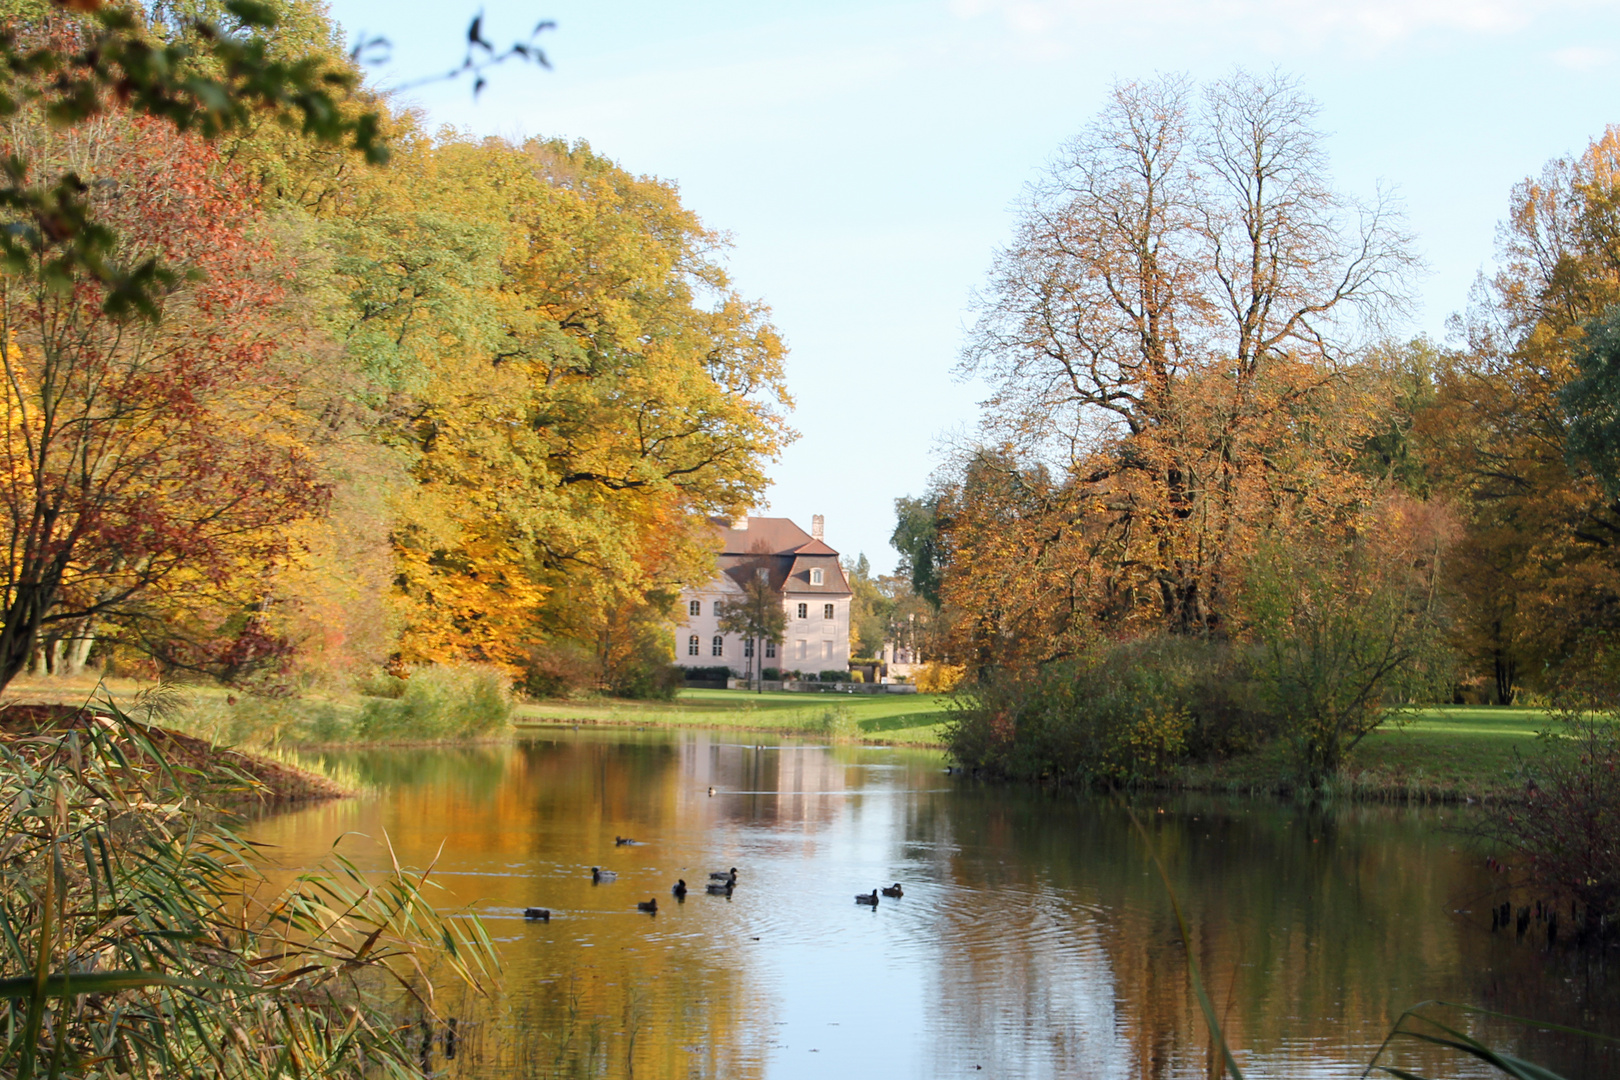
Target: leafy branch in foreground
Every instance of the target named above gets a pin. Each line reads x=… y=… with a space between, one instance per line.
x=201 y=77
x=133 y=941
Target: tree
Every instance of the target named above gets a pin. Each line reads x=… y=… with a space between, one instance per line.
x=139 y=456
x=756 y=616
x=1346 y=626
x=870 y=609
x=581 y=385
x=916 y=538
x=1172 y=329
x=1516 y=433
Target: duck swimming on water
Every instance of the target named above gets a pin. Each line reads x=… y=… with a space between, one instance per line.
x=543 y=914
x=893 y=890
x=649 y=906
x=621 y=841
x=680 y=889
x=720 y=888
x=862 y=898
x=599 y=875
x=725 y=875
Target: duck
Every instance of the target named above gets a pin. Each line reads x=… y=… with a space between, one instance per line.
x=649 y=906
x=720 y=888
x=543 y=914
x=711 y=790
x=862 y=898
x=725 y=875
x=893 y=890
x=599 y=875
x=680 y=889
x=621 y=841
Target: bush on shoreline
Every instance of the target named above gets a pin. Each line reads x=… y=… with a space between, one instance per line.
x=1128 y=713
x=441 y=701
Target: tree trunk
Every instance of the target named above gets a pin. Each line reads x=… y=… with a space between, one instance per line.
x=1505 y=670
x=20 y=635
x=78 y=650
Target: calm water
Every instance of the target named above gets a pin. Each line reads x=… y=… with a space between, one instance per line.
x=1034 y=939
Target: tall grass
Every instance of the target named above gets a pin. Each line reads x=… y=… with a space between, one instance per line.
x=445 y=701
x=135 y=942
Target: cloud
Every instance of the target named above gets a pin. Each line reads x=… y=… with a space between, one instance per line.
x=1583 y=57
x=1314 y=22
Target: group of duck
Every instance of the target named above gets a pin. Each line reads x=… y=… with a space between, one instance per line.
x=721 y=883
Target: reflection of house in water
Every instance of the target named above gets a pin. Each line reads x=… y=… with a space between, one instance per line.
x=779 y=784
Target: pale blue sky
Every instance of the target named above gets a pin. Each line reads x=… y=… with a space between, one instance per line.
x=865 y=157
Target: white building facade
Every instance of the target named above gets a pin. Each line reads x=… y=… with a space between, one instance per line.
x=802 y=570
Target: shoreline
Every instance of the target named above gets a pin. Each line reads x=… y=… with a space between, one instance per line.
x=251 y=779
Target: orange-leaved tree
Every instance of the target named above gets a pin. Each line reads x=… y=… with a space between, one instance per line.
x=1174 y=333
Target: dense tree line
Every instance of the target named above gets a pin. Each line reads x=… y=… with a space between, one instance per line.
x=1200 y=433
x=468 y=405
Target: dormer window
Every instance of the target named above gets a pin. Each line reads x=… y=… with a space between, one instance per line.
x=815 y=577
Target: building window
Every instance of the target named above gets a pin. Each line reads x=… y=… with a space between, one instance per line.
x=719 y=646
x=826 y=650
x=748 y=648
x=815 y=577
x=770 y=650
x=695 y=608
x=717 y=611
x=692 y=644
x=826 y=611
x=804 y=611
x=802 y=648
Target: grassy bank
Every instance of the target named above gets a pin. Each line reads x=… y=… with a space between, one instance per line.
x=903 y=719
x=1447 y=753
x=1442 y=754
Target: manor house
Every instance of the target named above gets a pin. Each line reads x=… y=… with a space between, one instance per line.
x=802 y=570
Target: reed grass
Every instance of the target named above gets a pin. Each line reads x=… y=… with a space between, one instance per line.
x=138 y=937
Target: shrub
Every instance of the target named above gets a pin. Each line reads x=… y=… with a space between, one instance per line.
x=937 y=678
x=1564 y=829
x=838 y=723
x=1127 y=713
x=857 y=676
x=834 y=676
x=650 y=683
x=382 y=684
x=442 y=701
x=718 y=673
x=559 y=669
x=771 y=674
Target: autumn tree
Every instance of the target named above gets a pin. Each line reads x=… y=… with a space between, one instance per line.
x=140 y=455
x=1171 y=331
x=573 y=385
x=1536 y=566
x=870 y=608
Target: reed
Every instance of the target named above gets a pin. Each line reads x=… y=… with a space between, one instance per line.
x=138 y=936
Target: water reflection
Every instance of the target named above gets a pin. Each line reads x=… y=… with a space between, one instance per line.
x=1034 y=938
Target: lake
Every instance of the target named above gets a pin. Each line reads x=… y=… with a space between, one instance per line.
x=1034 y=939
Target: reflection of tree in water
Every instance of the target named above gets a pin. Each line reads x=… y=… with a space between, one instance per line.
x=673 y=1019
x=1314 y=929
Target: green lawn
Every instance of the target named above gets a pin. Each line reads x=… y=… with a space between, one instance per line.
x=908 y=719
x=1445 y=752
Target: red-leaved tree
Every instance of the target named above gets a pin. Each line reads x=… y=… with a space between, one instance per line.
x=142 y=460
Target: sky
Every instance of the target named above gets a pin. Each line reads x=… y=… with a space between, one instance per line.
x=866 y=159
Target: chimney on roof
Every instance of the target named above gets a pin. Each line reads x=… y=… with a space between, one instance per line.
x=818 y=526
x=740 y=522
